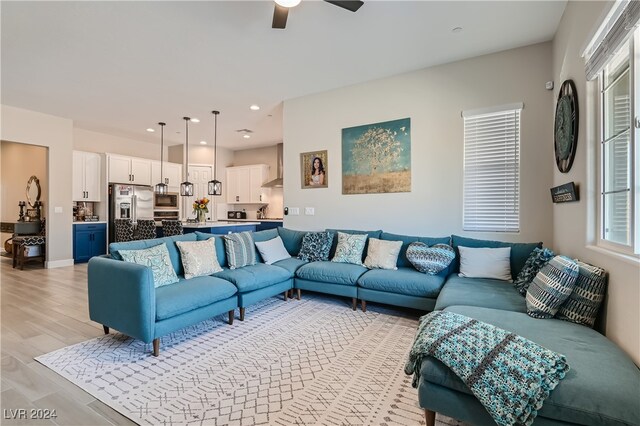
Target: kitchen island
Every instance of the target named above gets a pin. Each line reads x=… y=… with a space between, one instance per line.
x=218 y=227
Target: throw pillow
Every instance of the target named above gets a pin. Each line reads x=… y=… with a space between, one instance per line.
x=537 y=259
x=157 y=258
x=382 y=254
x=582 y=305
x=485 y=262
x=430 y=260
x=199 y=258
x=272 y=250
x=551 y=287
x=315 y=246
x=240 y=249
x=350 y=248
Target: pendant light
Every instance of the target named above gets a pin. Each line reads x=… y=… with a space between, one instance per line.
x=186 y=187
x=215 y=186
x=161 y=188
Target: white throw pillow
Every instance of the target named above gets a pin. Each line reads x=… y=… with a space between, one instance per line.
x=382 y=254
x=485 y=263
x=199 y=258
x=272 y=250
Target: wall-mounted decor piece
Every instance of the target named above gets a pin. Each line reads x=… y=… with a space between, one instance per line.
x=314 y=168
x=376 y=158
x=565 y=193
x=566 y=126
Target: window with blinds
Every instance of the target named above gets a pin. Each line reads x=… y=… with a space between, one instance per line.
x=492 y=169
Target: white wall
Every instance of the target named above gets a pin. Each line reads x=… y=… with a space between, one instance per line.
x=433 y=98
x=34 y=128
x=575 y=223
x=90 y=141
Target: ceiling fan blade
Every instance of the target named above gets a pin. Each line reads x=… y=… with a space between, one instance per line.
x=280 y=14
x=353 y=6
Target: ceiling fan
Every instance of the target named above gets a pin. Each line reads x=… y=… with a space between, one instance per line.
x=281 y=10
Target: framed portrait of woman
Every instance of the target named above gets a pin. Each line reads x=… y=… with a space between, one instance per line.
x=314 y=169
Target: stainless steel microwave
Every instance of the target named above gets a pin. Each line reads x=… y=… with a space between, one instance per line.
x=167 y=201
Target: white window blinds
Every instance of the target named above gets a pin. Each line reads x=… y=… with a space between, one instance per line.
x=492 y=169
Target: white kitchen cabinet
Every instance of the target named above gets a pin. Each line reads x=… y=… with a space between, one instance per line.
x=244 y=184
x=131 y=170
x=86 y=176
x=172 y=175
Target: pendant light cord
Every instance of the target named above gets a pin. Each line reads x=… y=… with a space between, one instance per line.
x=186 y=123
x=215 y=145
x=161 y=151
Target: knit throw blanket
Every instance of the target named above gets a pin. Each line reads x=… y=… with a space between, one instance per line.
x=510 y=375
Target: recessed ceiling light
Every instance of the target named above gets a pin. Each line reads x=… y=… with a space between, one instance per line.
x=195 y=120
x=456 y=30
x=246 y=136
x=203 y=142
x=288 y=3
x=254 y=107
x=150 y=130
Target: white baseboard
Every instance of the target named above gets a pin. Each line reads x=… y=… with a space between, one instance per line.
x=58 y=263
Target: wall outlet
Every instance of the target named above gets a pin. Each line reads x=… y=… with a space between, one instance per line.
x=294 y=211
x=309 y=211
x=57 y=209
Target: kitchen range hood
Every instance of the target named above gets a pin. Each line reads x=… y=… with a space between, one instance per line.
x=277 y=182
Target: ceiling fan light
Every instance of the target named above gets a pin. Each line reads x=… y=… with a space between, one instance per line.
x=288 y=3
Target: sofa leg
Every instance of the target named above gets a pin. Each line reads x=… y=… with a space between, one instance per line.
x=156 y=347
x=231 y=315
x=430 y=417
x=364 y=306
x=299 y=293
x=354 y=303
x=241 y=314
x=106 y=329
x=286 y=295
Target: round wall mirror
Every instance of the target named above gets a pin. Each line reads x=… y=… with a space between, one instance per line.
x=33 y=191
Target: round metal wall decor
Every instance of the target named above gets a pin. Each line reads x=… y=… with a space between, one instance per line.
x=566 y=126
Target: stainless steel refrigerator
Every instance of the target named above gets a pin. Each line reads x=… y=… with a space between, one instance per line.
x=129 y=202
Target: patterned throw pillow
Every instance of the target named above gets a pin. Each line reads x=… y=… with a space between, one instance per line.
x=537 y=259
x=350 y=248
x=199 y=258
x=551 y=287
x=584 y=302
x=315 y=246
x=157 y=258
x=382 y=254
x=430 y=260
x=240 y=249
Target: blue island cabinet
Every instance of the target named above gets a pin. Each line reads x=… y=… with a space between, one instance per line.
x=226 y=229
x=89 y=240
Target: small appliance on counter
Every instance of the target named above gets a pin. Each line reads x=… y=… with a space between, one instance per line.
x=237 y=215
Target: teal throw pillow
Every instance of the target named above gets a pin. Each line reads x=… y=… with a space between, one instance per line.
x=240 y=249
x=315 y=246
x=551 y=287
x=350 y=248
x=157 y=258
x=536 y=261
x=430 y=260
x=584 y=302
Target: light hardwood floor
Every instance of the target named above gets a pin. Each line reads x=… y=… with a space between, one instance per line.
x=43 y=310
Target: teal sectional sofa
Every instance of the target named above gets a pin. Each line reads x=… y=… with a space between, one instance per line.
x=601 y=388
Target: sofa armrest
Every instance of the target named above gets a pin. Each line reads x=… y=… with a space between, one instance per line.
x=122 y=296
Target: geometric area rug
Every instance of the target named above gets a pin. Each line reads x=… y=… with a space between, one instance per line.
x=308 y=362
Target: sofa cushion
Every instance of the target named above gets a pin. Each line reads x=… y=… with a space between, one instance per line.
x=484 y=262
x=370 y=234
x=382 y=254
x=350 y=248
x=430 y=260
x=187 y=295
x=519 y=251
x=408 y=239
x=316 y=246
x=292 y=239
x=403 y=281
x=601 y=386
x=584 y=302
x=174 y=253
x=330 y=272
x=240 y=248
x=221 y=253
x=291 y=264
x=481 y=292
x=254 y=277
x=551 y=287
x=156 y=258
x=262 y=236
x=537 y=259
x=199 y=258
x=272 y=250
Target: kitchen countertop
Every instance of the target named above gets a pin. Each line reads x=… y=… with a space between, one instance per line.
x=255 y=220
x=219 y=223
x=87 y=222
